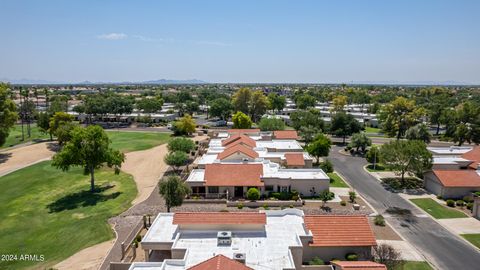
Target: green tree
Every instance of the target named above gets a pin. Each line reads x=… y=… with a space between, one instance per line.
x=241 y=120
x=320 y=147
x=253 y=194
x=437 y=107
x=173 y=191
x=176 y=159
x=89 y=148
x=181 y=144
x=185 y=126
x=305 y=101
x=418 y=132
x=338 y=104
x=221 y=107
x=360 y=141
x=400 y=114
x=57 y=120
x=149 y=105
x=344 y=125
x=43 y=123
x=64 y=132
x=406 y=157
x=241 y=100
x=352 y=196
x=307 y=123
x=326 y=196
x=258 y=105
x=271 y=124
x=276 y=102
x=8 y=115
x=464 y=126
x=373 y=155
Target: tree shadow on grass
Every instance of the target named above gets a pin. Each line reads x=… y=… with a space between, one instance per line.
x=82 y=198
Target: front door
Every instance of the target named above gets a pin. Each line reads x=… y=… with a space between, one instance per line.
x=238 y=191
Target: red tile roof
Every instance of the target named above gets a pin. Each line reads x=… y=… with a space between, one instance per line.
x=225 y=175
x=237 y=148
x=239 y=138
x=286 y=134
x=359 y=265
x=220 y=262
x=473 y=155
x=244 y=131
x=219 y=218
x=458 y=178
x=295 y=159
x=336 y=231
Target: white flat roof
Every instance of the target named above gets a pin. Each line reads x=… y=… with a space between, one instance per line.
x=452 y=150
x=297 y=174
x=265 y=249
x=449 y=160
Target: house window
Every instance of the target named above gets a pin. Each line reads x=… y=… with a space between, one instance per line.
x=212 y=189
x=284 y=189
x=268 y=188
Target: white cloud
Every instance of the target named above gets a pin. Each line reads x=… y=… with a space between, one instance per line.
x=113 y=36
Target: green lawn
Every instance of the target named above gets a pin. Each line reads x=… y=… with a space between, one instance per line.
x=437 y=210
x=411 y=265
x=45 y=211
x=15 y=136
x=126 y=141
x=473 y=238
x=378 y=168
x=336 y=180
x=372 y=130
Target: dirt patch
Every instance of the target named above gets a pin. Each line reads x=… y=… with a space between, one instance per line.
x=20 y=157
x=90 y=258
x=383 y=232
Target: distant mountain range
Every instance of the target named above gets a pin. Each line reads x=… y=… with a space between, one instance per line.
x=161 y=81
x=195 y=81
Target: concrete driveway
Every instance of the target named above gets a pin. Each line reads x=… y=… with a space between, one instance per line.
x=439 y=246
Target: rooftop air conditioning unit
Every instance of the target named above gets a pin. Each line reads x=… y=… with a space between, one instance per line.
x=240 y=257
x=224 y=238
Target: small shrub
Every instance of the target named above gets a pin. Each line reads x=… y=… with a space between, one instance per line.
x=240 y=206
x=326 y=166
x=469 y=206
x=138 y=238
x=379 y=220
x=460 y=203
x=352 y=196
x=316 y=261
x=477 y=193
x=468 y=199
x=275 y=195
x=450 y=203
x=285 y=196
x=291 y=205
x=351 y=257
x=253 y=194
x=226 y=210
x=265 y=206
x=439 y=197
x=343 y=203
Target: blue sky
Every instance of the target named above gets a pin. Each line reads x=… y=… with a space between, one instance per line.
x=241 y=41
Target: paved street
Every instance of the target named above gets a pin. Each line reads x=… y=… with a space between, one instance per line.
x=439 y=246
